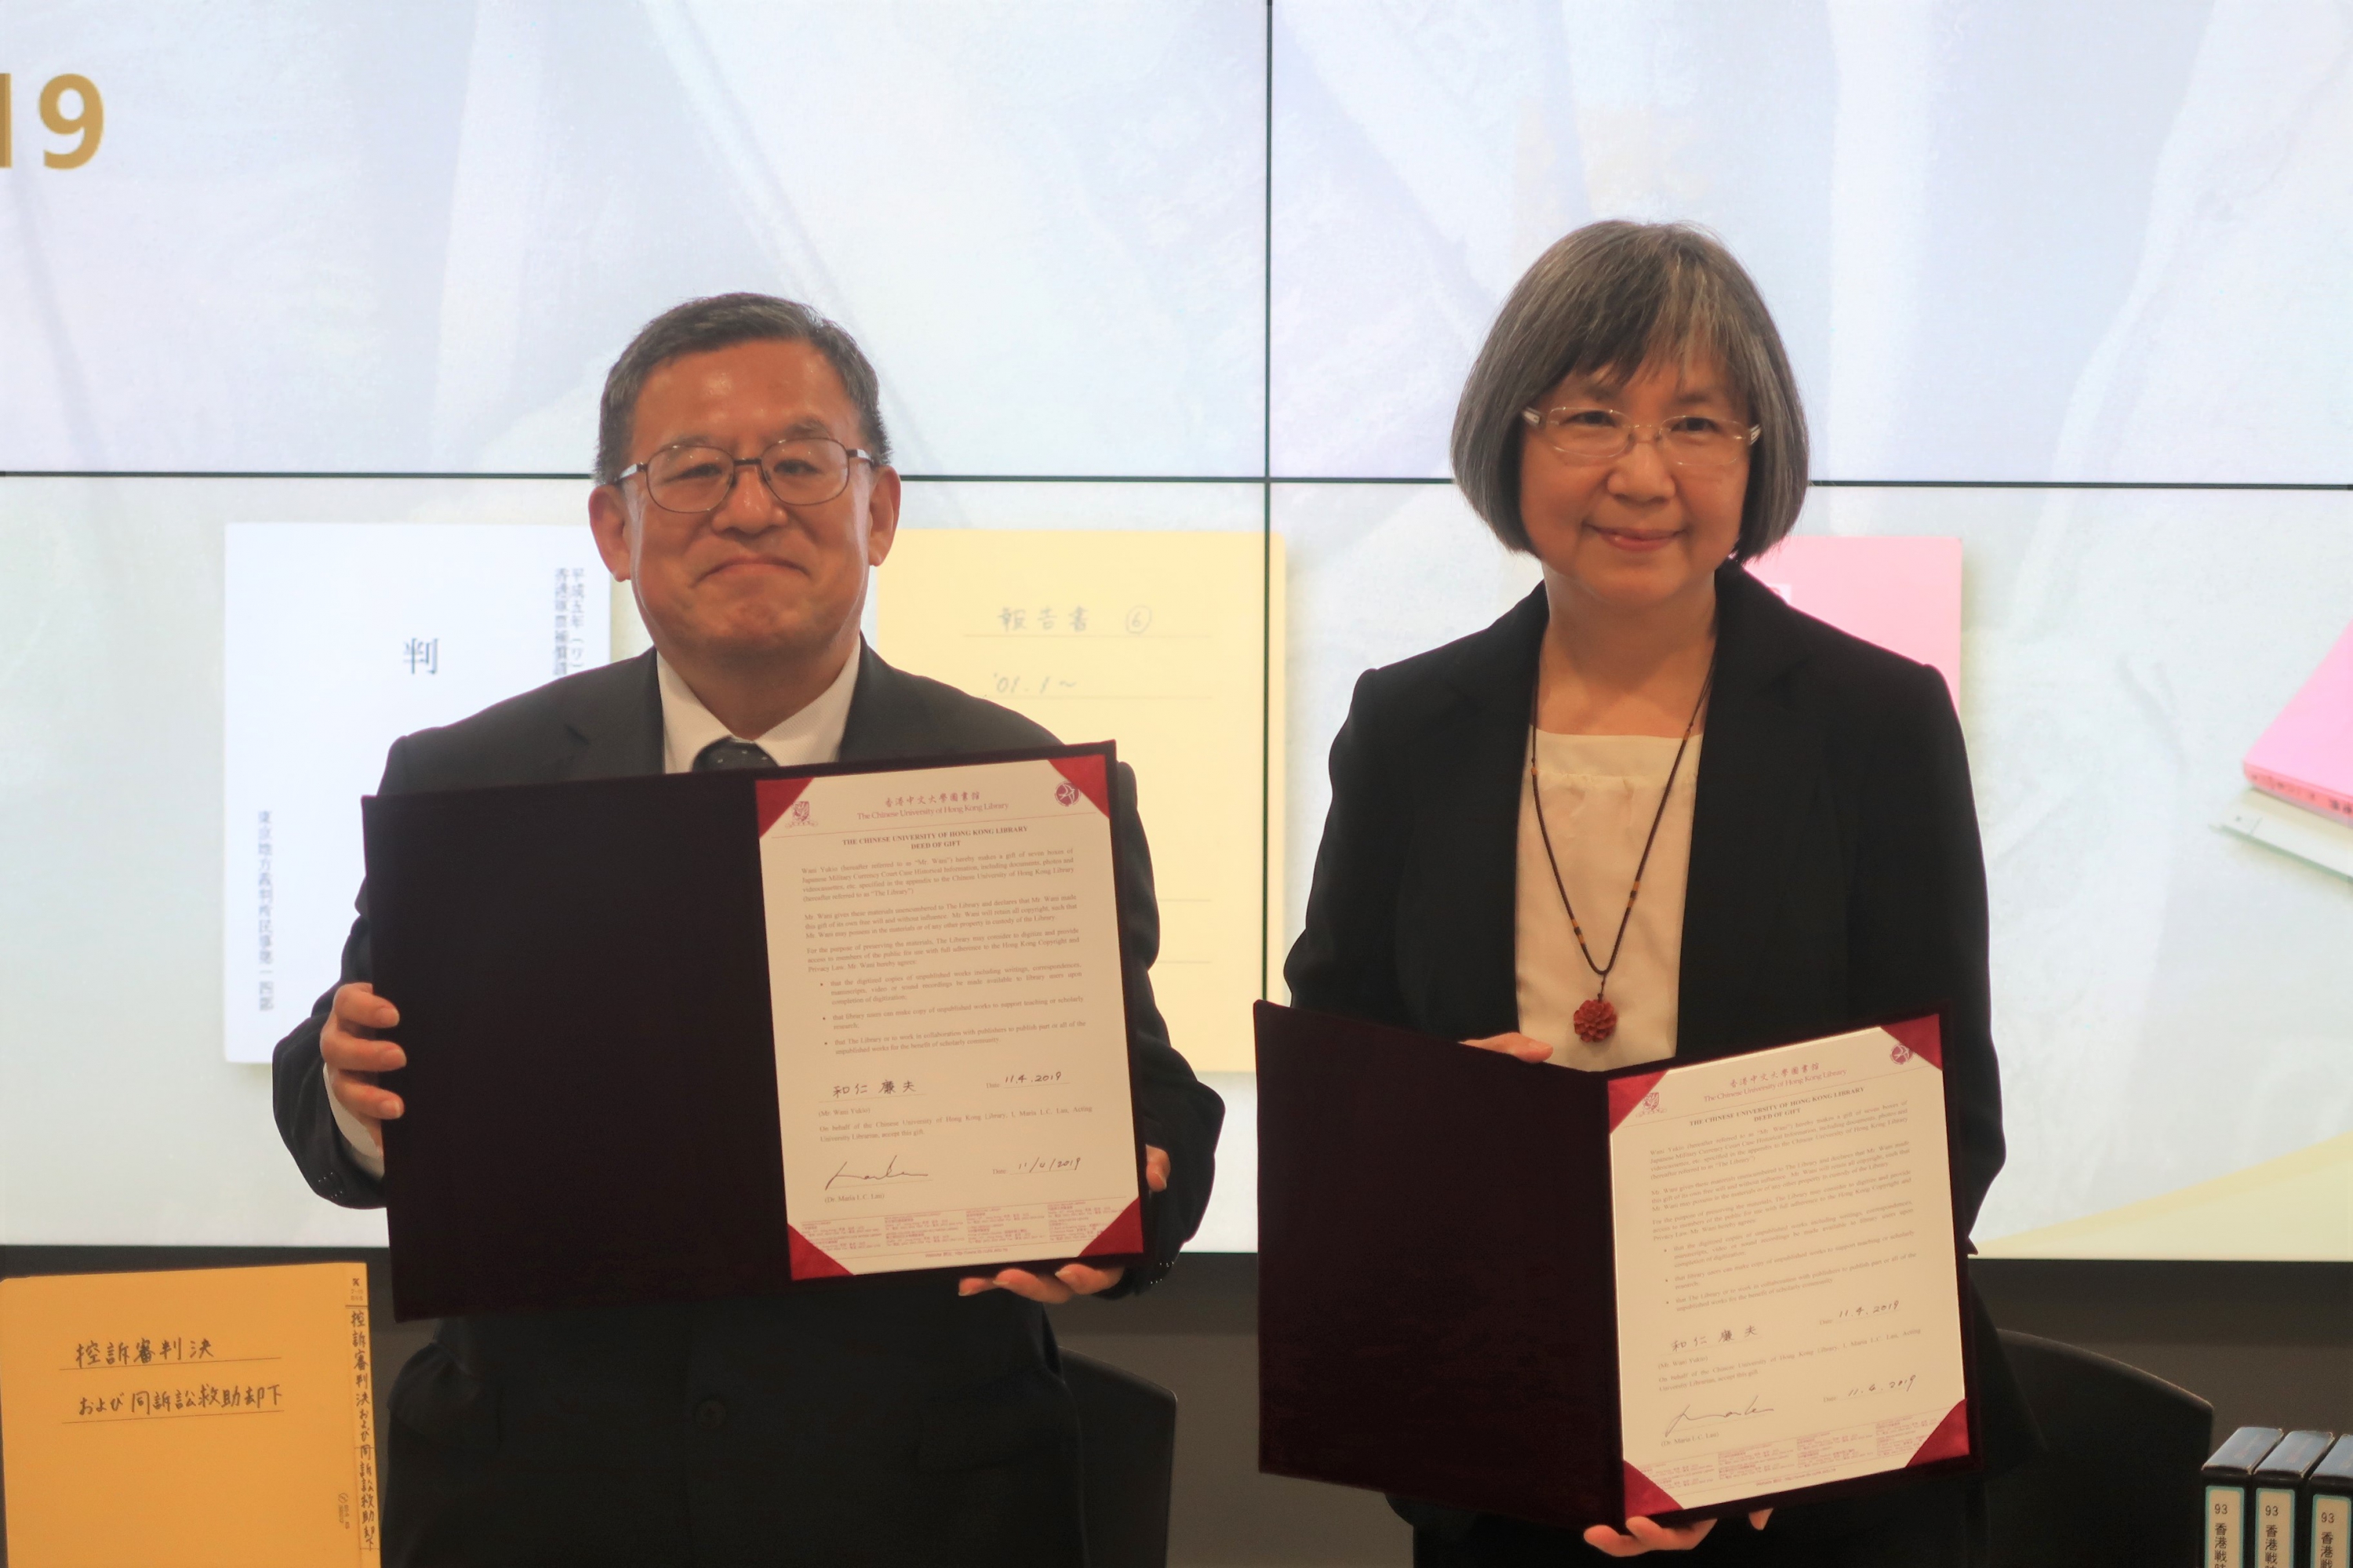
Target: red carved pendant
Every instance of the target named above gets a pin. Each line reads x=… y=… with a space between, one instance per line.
x=1596 y=1021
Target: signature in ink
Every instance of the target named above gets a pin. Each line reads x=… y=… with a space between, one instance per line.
x=1688 y=1414
x=889 y=1173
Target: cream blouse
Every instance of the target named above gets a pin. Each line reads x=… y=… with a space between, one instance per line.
x=1599 y=791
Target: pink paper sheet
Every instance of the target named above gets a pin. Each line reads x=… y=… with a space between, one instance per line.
x=2306 y=755
x=1903 y=594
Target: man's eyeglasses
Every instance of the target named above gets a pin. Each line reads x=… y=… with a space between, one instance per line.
x=801 y=471
x=1698 y=442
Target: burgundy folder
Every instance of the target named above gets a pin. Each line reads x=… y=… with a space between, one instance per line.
x=591 y=1102
x=1437 y=1310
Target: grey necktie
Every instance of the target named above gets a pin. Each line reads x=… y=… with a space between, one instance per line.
x=721 y=754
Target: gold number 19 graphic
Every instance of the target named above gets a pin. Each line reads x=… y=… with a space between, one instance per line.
x=87 y=122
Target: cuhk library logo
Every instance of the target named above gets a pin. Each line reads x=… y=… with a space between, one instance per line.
x=1900 y=1054
x=1066 y=792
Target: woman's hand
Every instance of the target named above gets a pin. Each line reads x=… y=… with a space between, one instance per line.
x=1641 y=1535
x=1526 y=1047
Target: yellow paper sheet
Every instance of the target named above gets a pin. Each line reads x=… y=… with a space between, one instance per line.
x=2298 y=1207
x=1158 y=641
x=218 y=1416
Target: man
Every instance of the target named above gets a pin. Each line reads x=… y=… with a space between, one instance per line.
x=744 y=490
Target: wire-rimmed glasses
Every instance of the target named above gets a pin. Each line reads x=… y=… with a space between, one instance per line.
x=800 y=471
x=1698 y=442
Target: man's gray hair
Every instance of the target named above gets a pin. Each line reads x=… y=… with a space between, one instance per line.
x=722 y=321
x=1615 y=297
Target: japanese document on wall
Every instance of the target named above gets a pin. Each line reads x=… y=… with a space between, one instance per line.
x=1170 y=645
x=339 y=639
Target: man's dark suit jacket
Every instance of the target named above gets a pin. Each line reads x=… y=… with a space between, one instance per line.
x=1835 y=874
x=877 y=1423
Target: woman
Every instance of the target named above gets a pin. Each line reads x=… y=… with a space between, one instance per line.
x=1653 y=810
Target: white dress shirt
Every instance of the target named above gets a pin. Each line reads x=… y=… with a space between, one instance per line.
x=812 y=735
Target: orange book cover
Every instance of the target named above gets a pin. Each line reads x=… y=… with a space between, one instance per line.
x=189 y=1417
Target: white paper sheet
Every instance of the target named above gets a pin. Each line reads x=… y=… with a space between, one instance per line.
x=943 y=967
x=339 y=638
x=1788 y=1293
x=2291 y=828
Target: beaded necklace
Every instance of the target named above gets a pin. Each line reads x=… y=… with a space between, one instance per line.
x=1597 y=1020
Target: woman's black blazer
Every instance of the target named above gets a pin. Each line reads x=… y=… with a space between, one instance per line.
x=1835 y=875
x=1835 y=871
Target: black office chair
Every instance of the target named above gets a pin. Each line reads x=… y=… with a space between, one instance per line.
x=1127 y=1446
x=2119 y=1483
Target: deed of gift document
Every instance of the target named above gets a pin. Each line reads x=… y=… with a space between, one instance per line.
x=1672 y=1291
x=1788 y=1305
x=951 y=1032
x=675 y=1037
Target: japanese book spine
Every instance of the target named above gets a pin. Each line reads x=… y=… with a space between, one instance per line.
x=2328 y=1509
x=2270 y=1528
x=2226 y=1474
x=2272 y=1512
x=2277 y=1483
x=371 y=1552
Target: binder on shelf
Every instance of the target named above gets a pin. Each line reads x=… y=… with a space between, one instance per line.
x=2327 y=1513
x=2278 y=1483
x=2228 y=1475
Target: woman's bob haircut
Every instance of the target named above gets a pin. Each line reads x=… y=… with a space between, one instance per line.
x=1614 y=298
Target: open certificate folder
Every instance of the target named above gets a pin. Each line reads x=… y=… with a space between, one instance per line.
x=716 y=1033
x=1574 y=1297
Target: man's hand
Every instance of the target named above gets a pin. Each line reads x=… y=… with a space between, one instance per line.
x=1072 y=1278
x=1526 y=1047
x=1641 y=1535
x=353 y=1047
